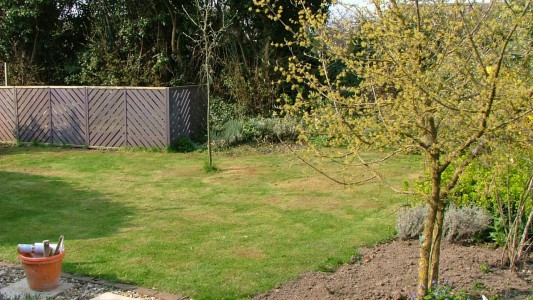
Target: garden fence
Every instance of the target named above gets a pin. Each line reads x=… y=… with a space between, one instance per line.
x=101 y=116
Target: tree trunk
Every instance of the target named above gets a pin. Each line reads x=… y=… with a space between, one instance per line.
x=427 y=256
x=208 y=81
x=209 y=150
x=435 y=249
x=425 y=250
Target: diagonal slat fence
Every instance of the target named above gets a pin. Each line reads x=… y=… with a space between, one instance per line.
x=7 y=115
x=102 y=116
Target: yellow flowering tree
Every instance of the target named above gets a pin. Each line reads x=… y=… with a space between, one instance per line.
x=443 y=78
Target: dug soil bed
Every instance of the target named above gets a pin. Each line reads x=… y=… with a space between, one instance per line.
x=389 y=271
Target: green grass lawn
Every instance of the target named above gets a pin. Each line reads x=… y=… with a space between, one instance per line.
x=159 y=221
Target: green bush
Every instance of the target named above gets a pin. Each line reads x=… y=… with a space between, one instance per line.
x=498 y=175
x=221 y=112
x=497 y=182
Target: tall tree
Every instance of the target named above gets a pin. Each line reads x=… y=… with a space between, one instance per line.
x=439 y=77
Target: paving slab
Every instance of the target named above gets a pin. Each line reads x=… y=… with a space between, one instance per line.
x=110 y=296
x=21 y=289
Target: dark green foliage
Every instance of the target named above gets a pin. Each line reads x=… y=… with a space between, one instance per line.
x=144 y=43
x=40 y=40
x=221 y=113
x=497 y=232
x=183 y=145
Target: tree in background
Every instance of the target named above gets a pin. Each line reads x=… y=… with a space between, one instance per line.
x=443 y=79
x=249 y=58
x=104 y=42
x=39 y=40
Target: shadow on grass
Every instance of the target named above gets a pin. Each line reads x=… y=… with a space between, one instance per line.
x=35 y=208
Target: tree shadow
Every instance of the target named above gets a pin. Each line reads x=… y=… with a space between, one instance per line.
x=35 y=208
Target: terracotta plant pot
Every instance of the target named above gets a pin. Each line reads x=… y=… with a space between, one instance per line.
x=43 y=273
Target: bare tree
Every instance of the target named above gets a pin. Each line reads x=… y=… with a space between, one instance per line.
x=207 y=38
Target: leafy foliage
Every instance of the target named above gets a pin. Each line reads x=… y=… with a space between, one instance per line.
x=445 y=291
x=183 y=145
x=221 y=112
x=143 y=43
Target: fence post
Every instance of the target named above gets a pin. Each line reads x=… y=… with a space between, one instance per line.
x=51 y=120
x=86 y=108
x=126 y=117
x=17 y=126
x=5 y=73
x=167 y=115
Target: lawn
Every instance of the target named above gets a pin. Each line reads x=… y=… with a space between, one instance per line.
x=158 y=220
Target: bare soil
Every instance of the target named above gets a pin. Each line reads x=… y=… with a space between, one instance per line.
x=389 y=271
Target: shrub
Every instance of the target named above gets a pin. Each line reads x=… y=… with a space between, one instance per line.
x=221 y=112
x=285 y=129
x=256 y=130
x=410 y=222
x=183 y=145
x=230 y=135
x=460 y=224
x=270 y=129
x=498 y=174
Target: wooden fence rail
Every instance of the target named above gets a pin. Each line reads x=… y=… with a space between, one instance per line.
x=101 y=116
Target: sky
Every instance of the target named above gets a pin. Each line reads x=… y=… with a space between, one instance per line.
x=340 y=9
x=358 y=2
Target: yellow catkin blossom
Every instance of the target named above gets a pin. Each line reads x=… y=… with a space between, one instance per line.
x=412 y=77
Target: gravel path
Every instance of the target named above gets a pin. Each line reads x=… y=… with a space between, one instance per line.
x=85 y=287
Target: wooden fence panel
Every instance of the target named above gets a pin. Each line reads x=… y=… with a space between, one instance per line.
x=188 y=111
x=198 y=110
x=34 y=114
x=101 y=116
x=107 y=121
x=146 y=113
x=68 y=116
x=7 y=115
